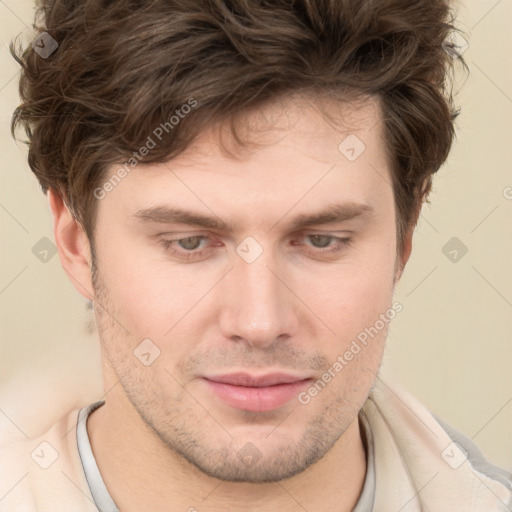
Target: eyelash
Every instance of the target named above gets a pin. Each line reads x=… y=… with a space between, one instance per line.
x=342 y=243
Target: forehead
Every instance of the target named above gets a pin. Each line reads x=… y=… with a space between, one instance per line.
x=306 y=152
x=314 y=127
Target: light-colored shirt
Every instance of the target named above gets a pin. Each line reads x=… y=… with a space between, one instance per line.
x=415 y=462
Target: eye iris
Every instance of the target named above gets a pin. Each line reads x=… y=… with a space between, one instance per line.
x=321 y=238
x=185 y=242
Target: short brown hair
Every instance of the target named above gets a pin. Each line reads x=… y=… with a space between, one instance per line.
x=123 y=68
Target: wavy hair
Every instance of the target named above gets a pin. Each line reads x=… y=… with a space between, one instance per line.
x=123 y=67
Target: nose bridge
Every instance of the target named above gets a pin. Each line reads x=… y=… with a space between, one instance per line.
x=256 y=305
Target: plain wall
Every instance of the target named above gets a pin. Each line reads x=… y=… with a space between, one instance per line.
x=450 y=346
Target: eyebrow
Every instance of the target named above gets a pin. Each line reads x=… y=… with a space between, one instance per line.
x=334 y=213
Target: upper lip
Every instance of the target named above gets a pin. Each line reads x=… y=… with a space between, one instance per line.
x=246 y=379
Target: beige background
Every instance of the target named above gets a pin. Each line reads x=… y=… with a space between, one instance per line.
x=450 y=346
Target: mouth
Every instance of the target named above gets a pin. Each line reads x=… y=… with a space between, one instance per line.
x=256 y=393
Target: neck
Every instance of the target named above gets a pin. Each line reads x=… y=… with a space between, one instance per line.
x=142 y=473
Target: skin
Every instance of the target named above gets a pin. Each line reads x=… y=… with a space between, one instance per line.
x=163 y=437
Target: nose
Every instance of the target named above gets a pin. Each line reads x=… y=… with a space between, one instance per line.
x=257 y=305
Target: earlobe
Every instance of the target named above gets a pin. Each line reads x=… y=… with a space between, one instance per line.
x=73 y=245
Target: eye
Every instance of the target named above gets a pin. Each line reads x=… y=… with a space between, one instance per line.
x=321 y=241
x=325 y=243
x=190 y=243
x=191 y=247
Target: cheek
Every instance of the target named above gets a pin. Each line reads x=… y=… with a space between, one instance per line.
x=150 y=294
x=136 y=289
x=351 y=308
x=352 y=295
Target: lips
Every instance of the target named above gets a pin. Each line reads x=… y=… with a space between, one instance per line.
x=256 y=393
x=245 y=379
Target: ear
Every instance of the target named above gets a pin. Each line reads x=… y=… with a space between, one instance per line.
x=73 y=245
x=406 y=253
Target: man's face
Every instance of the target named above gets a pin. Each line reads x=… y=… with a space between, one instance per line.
x=268 y=297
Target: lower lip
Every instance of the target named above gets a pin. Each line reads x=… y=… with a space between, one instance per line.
x=257 y=399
